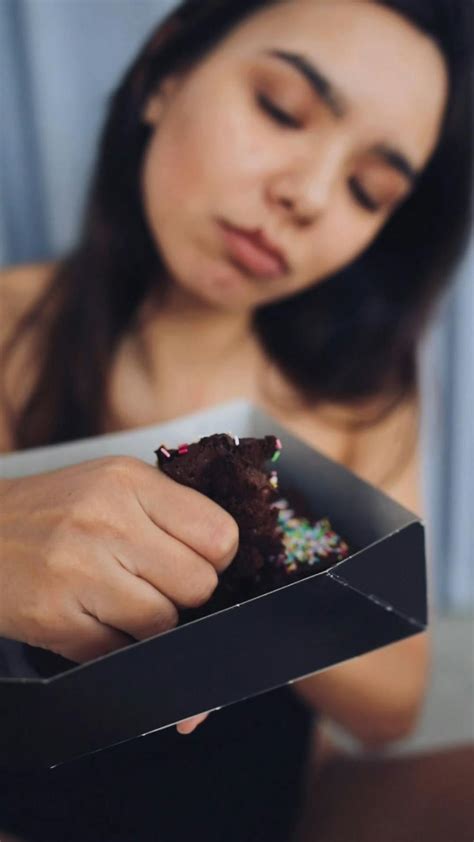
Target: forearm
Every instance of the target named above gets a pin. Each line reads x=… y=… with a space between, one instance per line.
x=375 y=697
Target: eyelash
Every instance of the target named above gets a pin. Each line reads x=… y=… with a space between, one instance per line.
x=276 y=113
x=290 y=122
x=362 y=197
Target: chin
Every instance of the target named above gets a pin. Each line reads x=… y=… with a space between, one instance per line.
x=224 y=296
x=217 y=284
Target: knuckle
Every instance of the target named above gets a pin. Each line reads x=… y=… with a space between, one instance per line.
x=120 y=468
x=202 y=588
x=223 y=539
x=167 y=619
x=44 y=624
x=97 y=512
x=55 y=550
x=80 y=519
x=69 y=562
x=82 y=514
x=172 y=618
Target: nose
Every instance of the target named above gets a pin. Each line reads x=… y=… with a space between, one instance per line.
x=304 y=187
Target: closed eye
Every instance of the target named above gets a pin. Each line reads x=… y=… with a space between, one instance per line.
x=362 y=197
x=285 y=119
x=281 y=117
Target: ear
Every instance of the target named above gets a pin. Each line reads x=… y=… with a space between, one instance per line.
x=156 y=102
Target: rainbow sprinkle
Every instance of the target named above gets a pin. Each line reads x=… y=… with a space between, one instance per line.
x=273 y=479
x=307 y=543
x=165 y=452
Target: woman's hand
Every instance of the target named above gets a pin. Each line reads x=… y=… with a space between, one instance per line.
x=96 y=553
x=188 y=725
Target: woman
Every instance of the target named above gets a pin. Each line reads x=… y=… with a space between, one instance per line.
x=280 y=194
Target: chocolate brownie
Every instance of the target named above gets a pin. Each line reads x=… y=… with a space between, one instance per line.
x=231 y=472
x=276 y=546
x=279 y=540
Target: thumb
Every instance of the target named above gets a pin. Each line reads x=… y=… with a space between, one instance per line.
x=187 y=726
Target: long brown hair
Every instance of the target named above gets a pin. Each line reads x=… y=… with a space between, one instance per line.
x=352 y=337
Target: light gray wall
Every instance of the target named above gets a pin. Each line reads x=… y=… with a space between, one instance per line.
x=62 y=60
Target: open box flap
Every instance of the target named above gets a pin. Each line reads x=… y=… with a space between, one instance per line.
x=400 y=583
x=332 y=488
x=303 y=628
x=355 y=607
x=140 y=442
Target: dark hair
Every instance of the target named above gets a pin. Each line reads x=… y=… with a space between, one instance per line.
x=349 y=338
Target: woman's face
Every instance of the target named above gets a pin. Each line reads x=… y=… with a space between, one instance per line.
x=307 y=124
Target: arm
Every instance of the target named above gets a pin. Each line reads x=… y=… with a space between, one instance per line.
x=377 y=697
x=20 y=288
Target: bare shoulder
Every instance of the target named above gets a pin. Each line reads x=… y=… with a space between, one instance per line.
x=378 y=442
x=20 y=288
x=386 y=451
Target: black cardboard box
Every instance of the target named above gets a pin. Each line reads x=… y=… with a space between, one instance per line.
x=373 y=598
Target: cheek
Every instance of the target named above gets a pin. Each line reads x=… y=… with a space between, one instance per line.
x=338 y=241
x=171 y=170
x=200 y=158
x=217 y=160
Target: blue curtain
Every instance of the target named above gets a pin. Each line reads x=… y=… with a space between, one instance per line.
x=448 y=441
x=60 y=60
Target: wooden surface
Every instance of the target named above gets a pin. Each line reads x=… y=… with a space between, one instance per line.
x=425 y=797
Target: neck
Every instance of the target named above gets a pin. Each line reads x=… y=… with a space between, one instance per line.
x=182 y=330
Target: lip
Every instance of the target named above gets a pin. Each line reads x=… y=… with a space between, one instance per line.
x=252 y=250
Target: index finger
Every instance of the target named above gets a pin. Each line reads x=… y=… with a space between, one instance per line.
x=191 y=517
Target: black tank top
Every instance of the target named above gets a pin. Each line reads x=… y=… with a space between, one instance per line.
x=237 y=778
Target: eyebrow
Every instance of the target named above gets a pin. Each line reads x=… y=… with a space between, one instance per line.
x=337 y=104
